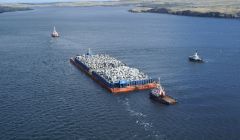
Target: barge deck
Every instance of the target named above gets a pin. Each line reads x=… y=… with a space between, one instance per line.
x=114 y=85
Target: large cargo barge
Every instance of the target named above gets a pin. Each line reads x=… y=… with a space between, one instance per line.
x=112 y=74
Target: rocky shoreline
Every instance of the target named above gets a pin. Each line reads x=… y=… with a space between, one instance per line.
x=186 y=12
x=204 y=8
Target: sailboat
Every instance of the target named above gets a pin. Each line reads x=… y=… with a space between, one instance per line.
x=55 y=33
x=89 y=52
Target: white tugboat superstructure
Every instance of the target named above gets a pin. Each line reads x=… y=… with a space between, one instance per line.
x=159 y=94
x=195 y=58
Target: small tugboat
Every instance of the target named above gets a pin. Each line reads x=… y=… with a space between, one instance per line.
x=195 y=58
x=158 y=94
x=55 y=33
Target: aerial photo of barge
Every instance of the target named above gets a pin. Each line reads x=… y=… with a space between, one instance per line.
x=113 y=74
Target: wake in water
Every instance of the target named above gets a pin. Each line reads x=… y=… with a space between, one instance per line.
x=141 y=120
x=140 y=117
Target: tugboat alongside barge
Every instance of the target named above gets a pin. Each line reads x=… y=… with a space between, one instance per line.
x=159 y=94
x=112 y=74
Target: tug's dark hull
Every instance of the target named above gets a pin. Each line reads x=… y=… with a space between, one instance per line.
x=54 y=35
x=167 y=100
x=195 y=60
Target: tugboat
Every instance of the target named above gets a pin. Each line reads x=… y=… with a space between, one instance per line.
x=158 y=94
x=195 y=58
x=55 y=33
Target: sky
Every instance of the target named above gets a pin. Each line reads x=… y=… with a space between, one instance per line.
x=41 y=1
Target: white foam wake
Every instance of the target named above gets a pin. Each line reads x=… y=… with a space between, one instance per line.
x=140 y=117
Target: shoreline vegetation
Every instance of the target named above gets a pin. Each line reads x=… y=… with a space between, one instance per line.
x=186 y=12
x=203 y=8
x=196 y=8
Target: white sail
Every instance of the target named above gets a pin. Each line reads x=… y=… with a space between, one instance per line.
x=55 y=33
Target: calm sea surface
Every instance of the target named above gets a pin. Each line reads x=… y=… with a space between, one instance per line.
x=42 y=96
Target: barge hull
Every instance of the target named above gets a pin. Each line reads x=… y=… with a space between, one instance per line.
x=114 y=90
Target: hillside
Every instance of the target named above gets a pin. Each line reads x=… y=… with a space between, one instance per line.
x=201 y=8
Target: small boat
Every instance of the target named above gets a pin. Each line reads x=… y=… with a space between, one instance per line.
x=158 y=94
x=55 y=33
x=195 y=58
x=89 y=52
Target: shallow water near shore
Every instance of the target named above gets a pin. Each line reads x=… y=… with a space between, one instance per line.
x=43 y=96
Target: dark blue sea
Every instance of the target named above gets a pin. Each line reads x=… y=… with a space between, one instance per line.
x=43 y=96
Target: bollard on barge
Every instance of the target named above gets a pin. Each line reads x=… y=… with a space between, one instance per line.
x=113 y=74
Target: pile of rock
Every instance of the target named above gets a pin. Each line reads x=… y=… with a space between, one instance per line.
x=111 y=69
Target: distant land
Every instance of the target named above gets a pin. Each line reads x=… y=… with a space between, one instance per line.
x=203 y=8
x=12 y=9
x=199 y=8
